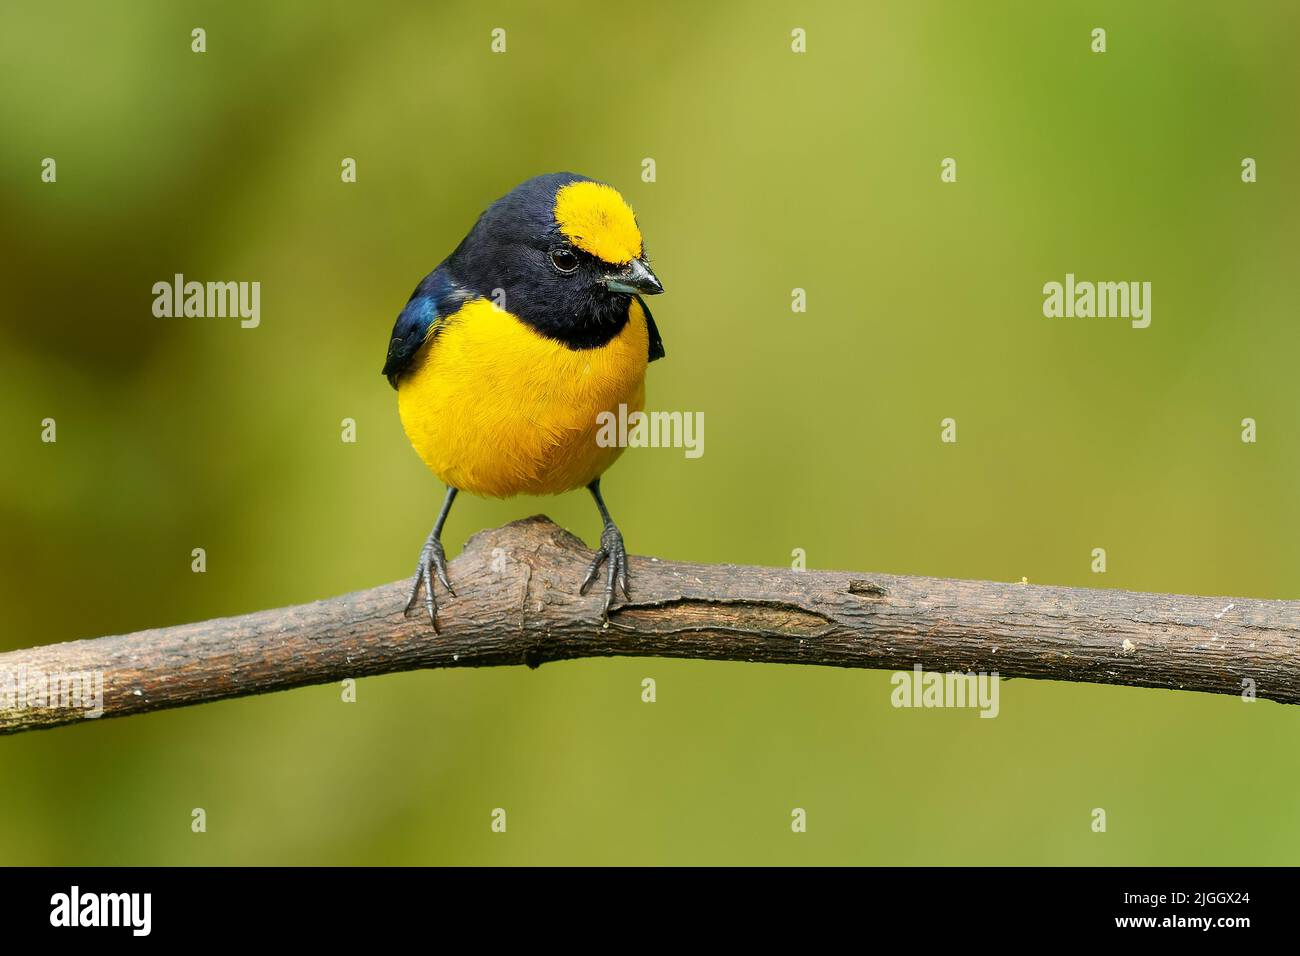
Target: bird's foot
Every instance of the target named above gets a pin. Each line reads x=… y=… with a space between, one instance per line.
x=614 y=554
x=432 y=561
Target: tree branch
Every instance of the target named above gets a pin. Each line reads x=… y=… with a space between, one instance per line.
x=518 y=603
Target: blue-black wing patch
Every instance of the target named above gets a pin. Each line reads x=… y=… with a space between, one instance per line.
x=433 y=300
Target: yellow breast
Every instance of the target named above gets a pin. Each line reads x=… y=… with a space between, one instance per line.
x=497 y=409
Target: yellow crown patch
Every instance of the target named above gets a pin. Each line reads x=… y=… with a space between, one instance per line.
x=596 y=219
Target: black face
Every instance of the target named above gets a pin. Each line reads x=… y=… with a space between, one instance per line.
x=559 y=290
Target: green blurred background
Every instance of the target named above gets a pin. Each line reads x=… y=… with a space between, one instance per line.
x=775 y=171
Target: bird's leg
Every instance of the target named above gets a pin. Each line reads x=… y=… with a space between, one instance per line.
x=432 y=561
x=611 y=549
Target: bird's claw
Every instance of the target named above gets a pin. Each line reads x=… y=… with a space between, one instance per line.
x=614 y=555
x=432 y=561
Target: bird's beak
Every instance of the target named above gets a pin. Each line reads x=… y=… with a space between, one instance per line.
x=634 y=277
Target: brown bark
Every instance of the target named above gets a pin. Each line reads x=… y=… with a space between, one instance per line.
x=518 y=603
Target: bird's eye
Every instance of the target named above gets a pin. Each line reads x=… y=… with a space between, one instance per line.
x=564 y=259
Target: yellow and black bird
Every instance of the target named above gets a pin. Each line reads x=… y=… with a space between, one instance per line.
x=507 y=353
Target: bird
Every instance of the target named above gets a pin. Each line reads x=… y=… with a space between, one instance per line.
x=507 y=355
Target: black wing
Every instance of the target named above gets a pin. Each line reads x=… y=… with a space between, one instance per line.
x=656 y=343
x=433 y=300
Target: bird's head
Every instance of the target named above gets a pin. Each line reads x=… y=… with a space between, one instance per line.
x=566 y=254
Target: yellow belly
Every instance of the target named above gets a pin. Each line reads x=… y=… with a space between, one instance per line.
x=497 y=409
